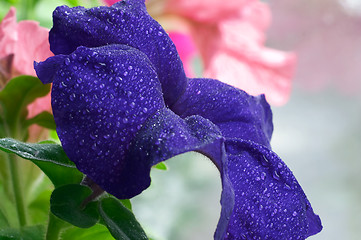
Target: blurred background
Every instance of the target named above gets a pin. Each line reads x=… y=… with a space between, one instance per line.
x=317 y=133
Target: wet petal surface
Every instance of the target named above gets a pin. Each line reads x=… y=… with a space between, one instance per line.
x=269 y=203
x=126 y=22
x=100 y=99
x=235 y=112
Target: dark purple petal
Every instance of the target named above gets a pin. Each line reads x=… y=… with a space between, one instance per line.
x=269 y=203
x=235 y=112
x=126 y=22
x=166 y=135
x=100 y=98
x=46 y=72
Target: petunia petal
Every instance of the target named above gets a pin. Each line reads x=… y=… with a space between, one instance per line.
x=166 y=135
x=126 y=22
x=235 y=112
x=100 y=99
x=269 y=203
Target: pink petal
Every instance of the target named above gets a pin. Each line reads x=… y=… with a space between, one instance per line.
x=8 y=33
x=210 y=11
x=32 y=45
x=27 y=42
x=110 y=2
x=266 y=72
x=186 y=50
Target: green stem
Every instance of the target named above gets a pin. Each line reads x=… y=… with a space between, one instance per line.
x=15 y=181
x=54 y=227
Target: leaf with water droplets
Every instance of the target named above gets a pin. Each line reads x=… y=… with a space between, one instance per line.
x=49 y=157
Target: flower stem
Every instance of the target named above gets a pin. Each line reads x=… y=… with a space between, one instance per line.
x=18 y=196
x=54 y=227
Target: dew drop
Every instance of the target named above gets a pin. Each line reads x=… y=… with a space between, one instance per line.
x=67 y=61
x=72 y=97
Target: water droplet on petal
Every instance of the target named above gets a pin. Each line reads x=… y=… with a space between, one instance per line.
x=67 y=61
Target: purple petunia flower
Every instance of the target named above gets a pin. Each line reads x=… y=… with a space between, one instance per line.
x=122 y=103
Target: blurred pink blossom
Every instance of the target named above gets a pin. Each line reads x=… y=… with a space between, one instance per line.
x=230 y=36
x=186 y=50
x=110 y=2
x=20 y=45
x=326 y=36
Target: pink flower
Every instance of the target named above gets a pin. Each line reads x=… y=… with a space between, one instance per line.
x=20 y=45
x=230 y=38
x=186 y=50
x=26 y=41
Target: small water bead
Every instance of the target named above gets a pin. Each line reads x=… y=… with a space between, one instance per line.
x=93 y=136
x=263 y=175
x=125 y=73
x=102 y=85
x=94 y=146
x=125 y=120
x=130 y=67
x=276 y=175
x=72 y=97
x=67 y=61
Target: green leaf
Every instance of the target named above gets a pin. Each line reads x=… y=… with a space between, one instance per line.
x=43 y=119
x=121 y=222
x=73 y=3
x=96 y=232
x=161 y=166
x=15 y=97
x=47 y=152
x=49 y=157
x=26 y=233
x=3 y=221
x=66 y=203
x=126 y=203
